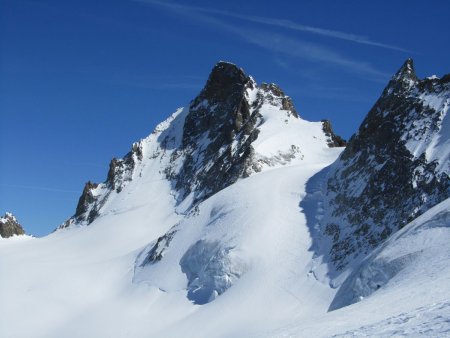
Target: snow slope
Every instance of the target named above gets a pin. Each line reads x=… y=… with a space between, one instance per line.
x=81 y=282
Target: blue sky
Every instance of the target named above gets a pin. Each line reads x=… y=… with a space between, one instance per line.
x=80 y=81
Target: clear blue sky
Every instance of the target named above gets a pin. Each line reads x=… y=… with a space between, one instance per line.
x=81 y=80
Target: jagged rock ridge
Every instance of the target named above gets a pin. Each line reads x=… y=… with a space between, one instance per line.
x=394 y=168
x=9 y=226
x=95 y=195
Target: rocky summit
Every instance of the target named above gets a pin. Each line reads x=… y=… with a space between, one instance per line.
x=9 y=226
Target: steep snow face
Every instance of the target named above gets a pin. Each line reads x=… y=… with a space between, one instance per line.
x=233 y=129
x=394 y=168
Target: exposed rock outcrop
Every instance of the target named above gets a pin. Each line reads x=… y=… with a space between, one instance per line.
x=9 y=226
x=217 y=134
x=334 y=140
x=94 y=195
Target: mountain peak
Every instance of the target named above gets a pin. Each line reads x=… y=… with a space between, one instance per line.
x=225 y=79
x=227 y=68
x=406 y=73
x=402 y=142
x=213 y=143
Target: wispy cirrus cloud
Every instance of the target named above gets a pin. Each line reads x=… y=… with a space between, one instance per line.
x=312 y=52
x=281 y=23
x=309 y=29
x=278 y=43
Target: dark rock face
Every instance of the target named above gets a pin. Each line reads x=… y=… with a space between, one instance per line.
x=86 y=200
x=157 y=250
x=9 y=226
x=333 y=139
x=218 y=118
x=121 y=170
x=378 y=186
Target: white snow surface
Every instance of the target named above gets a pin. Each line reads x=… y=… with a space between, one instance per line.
x=90 y=282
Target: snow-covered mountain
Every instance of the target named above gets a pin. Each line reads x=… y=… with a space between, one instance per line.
x=393 y=169
x=237 y=218
x=232 y=129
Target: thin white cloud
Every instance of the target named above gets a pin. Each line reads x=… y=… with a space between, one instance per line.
x=315 y=30
x=311 y=52
x=282 y=23
x=278 y=43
